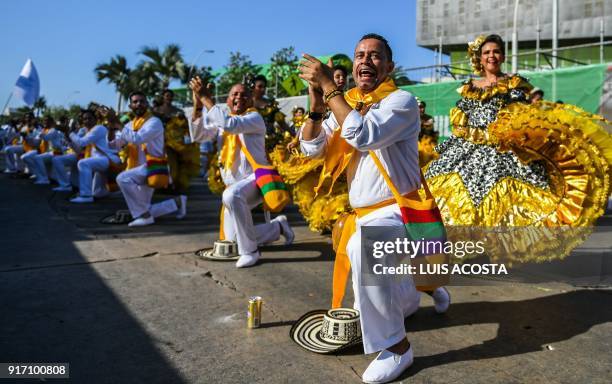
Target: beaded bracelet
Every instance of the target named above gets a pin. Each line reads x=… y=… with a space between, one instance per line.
x=331 y=94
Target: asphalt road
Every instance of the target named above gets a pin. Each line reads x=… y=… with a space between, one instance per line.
x=127 y=305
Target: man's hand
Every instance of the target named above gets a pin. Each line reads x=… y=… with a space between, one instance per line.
x=317 y=74
x=201 y=93
x=316 y=100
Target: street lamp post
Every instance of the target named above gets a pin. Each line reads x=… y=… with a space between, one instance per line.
x=515 y=38
x=197 y=58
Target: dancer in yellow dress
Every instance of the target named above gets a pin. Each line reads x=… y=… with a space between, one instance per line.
x=510 y=163
x=301 y=174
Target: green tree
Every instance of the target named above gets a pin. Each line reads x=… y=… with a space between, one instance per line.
x=284 y=62
x=40 y=105
x=145 y=79
x=115 y=72
x=167 y=64
x=237 y=69
x=400 y=77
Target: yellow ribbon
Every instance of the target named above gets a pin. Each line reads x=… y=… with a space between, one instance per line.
x=26 y=147
x=231 y=145
x=43 y=146
x=132 y=149
x=339 y=152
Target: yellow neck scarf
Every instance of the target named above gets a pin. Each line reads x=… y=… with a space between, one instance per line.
x=132 y=149
x=231 y=145
x=339 y=152
x=43 y=146
x=26 y=147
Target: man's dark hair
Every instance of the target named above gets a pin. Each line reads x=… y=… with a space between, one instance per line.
x=300 y=109
x=260 y=78
x=168 y=91
x=340 y=68
x=86 y=111
x=421 y=102
x=493 y=39
x=136 y=93
x=378 y=37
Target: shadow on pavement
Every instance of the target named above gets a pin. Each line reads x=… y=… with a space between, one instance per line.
x=65 y=314
x=524 y=326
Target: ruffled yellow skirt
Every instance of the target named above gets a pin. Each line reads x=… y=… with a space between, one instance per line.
x=575 y=148
x=301 y=174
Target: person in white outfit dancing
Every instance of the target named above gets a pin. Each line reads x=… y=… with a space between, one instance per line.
x=68 y=160
x=96 y=159
x=144 y=135
x=53 y=143
x=375 y=116
x=243 y=126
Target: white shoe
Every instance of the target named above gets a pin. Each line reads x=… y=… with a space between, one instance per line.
x=82 y=199
x=10 y=171
x=142 y=221
x=247 y=260
x=62 y=189
x=441 y=299
x=32 y=177
x=285 y=229
x=42 y=182
x=182 y=211
x=387 y=367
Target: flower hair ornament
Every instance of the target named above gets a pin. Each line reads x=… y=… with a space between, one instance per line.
x=473 y=54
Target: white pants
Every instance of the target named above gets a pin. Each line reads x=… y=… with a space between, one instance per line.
x=238 y=200
x=382 y=308
x=60 y=163
x=28 y=160
x=133 y=185
x=40 y=163
x=92 y=175
x=137 y=194
x=12 y=154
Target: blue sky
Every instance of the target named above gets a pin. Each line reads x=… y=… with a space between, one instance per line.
x=66 y=39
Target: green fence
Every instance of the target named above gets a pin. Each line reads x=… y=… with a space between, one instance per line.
x=581 y=86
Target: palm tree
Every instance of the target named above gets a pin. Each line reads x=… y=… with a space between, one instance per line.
x=115 y=72
x=145 y=79
x=40 y=105
x=167 y=64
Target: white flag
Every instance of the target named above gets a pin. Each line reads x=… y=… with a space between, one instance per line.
x=28 y=85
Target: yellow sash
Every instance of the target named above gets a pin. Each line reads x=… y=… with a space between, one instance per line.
x=43 y=146
x=339 y=152
x=231 y=145
x=88 y=149
x=132 y=149
x=26 y=147
x=337 y=157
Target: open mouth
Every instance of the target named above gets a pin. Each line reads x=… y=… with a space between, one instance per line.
x=366 y=72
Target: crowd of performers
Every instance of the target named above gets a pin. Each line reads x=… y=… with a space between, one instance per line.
x=512 y=160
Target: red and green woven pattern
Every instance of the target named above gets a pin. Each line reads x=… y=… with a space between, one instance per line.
x=268 y=180
x=157 y=167
x=424 y=225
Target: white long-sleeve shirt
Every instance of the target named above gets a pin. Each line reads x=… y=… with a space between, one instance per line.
x=56 y=140
x=33 y=137
x=250 y=128
x=98 y=136
x=390 y=128
x=151 y=133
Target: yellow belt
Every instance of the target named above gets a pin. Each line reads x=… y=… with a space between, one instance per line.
x=342 y=264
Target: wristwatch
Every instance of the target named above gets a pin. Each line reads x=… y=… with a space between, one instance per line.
x=315 y=116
